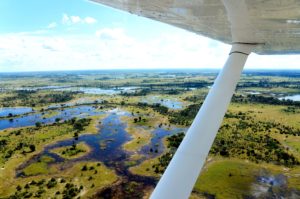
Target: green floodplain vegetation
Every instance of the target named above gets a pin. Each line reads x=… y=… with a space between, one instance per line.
x=256 y=153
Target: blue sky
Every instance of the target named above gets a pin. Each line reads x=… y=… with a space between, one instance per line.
x=38 y=35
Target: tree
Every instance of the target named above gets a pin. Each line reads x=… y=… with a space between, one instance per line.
x=19 y=188
x=27 y=186
x=84 y=168
x=32 y=147
x=51 y=183
x=38 y=124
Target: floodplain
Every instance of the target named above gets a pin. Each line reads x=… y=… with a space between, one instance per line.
x=111 y=134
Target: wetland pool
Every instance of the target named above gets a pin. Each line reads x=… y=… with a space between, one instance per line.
x=4 y=112
x=170 y=103
x=112 y=131
x=99 y=91
x=65 y=113
x=291 y=97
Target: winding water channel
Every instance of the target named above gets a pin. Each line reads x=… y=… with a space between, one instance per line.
x=112 y=131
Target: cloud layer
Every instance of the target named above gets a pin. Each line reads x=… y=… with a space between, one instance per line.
x=112 y=48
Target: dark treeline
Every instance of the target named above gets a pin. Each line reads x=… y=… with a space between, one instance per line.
x=272 y=73
x=33 y=98
x=263 y=100
x=269 y=84
x=185 y=116
x=182 y=117
x=196 y=84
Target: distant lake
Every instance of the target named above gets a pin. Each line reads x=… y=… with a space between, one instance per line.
x=40 y=88
x=86 y=90
x=253 y=92
x=99 y=91
x=291 y=97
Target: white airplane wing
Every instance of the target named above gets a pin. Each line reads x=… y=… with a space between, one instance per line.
x=276 y=23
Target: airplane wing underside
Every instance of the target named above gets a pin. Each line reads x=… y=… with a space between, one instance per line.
x=276 y=24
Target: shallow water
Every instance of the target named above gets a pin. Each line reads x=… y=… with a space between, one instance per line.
x=253 y=92
x=99 y=91
x=40 y=88
x=156 y=143
x=272 y=186
x=291 y=97
x=112 y=132
x=31 y=119
x=4 y=112
x=170 y=103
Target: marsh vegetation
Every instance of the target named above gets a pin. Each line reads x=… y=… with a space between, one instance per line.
x=112 y=134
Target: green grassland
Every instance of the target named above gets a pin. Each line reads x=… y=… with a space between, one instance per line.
x=74 y=151
x=74 y=181
x=18 y=149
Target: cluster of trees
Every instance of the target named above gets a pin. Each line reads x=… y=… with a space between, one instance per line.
x=139 y=119
x=163 y=161
x=70 y=190
x=34 y=98
x=156 y=107
x=255 y=147
x=79 y=124
x=23 y=147
x=292 y=109
x=250 y=139
x=185 y=116
x=56 y=97
x=159 y=108
x=195 y=98
x=9 y=147
x=72 y=150
x=182 y=117
x=175 y=140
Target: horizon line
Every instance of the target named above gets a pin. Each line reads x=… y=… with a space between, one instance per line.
x=151 y=69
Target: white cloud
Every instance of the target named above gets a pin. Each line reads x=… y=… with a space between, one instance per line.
x=90 y=20
x=114 y=48
x=65 y=19
x=114 y=35
x=52 y=25
x=75 y=19
x=70 y=20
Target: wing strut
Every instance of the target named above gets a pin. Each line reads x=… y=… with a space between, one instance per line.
x=180 y=176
